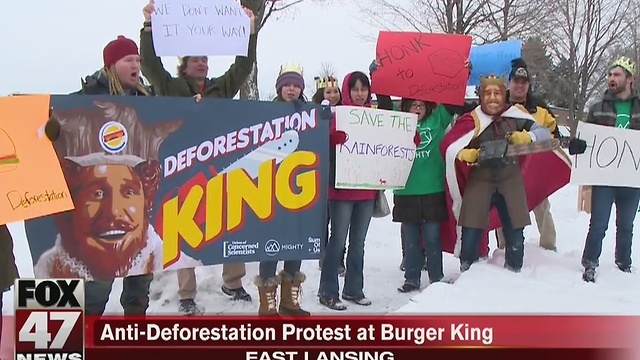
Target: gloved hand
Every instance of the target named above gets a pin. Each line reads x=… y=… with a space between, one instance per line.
x=417 y=139
x=52 y=129
x=337 y=137
x=297 y=104
x=470 y=156
x=577 y=146
x=326 y=112
x=373 y=66
x=520 y=137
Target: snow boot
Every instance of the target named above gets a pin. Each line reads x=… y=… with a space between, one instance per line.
x=236 y=294
x=290 y=294
x=589 y=275
x=267 y=289
x=189 y=307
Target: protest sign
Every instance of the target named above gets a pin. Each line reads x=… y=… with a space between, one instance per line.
x=493 y=59
x=427 y=67
x=379 y=151
x=612 y=157
x=200 y=27
x=32 y=181
x=165 y=183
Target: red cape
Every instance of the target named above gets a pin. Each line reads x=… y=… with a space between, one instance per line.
x=543 y=173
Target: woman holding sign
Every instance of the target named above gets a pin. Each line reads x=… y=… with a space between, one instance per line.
x=350 y=213
x=421 y=206
x=289 y=87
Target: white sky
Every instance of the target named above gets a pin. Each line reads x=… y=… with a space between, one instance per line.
x=48 y=46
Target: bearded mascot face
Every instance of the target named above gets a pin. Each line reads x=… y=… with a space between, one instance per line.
x=108 y=227
x=492 y=95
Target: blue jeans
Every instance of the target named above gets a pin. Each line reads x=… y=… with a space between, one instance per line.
x=414 y=256
x=134 y=298
x=268 y=268
x=353 y=218
x=514 y=238
x=602 y=198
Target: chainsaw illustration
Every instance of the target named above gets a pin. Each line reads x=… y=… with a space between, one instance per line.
x=500 y=152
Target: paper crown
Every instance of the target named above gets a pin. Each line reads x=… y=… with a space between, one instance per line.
x=290 y=68
x=325 y=82
x=625 y=63
x=492 y=80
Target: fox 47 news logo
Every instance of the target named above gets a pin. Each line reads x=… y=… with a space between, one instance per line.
x=49 y=319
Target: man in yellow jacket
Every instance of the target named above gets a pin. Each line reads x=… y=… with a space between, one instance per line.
x=519 y=93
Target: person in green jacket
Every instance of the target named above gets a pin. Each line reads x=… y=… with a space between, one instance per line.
x=192 y=78
x=421 y=206
x=192 y=81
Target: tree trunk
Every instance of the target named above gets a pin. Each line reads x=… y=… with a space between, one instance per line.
x=249 y=90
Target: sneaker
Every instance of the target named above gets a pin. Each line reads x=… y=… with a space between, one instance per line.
x=333 y=303
x=405 y=288
x=625 y=268
x=464 y=266
x=236 y=294
x=362 y=301
x=589 y=275
x=189 y=307
x=511 y=268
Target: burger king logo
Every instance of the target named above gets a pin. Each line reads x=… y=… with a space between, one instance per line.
x=113 y=137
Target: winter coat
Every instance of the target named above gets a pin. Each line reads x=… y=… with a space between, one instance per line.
x=8 y=269
x=225 y=86
x=98 y=84
x=604 y=111
x=541 y=113
x=345 y=194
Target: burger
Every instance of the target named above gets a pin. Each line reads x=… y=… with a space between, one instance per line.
x=8 y=156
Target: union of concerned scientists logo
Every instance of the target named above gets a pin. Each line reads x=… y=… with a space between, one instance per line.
x=272 y=247
x=113 y=137
x=239 y=248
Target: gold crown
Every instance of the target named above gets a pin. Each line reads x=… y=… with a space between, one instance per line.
x=492 y=80
x=290 y=68
x=625 y=63
x=325 y=82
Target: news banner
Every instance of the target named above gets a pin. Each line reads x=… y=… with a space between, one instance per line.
x=50 y=324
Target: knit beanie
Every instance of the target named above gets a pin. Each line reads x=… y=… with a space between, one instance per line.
x=290 y=75
x=117 y=49
x=289 y=78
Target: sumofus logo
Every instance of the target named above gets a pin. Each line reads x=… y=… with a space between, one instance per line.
x=239 y=248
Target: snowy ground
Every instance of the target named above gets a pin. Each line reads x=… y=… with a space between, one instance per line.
x=550 y=282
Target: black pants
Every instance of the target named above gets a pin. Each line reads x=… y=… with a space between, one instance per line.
x=134 y=298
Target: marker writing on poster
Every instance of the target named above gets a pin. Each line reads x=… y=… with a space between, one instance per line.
x=199 y=20
x=18 y=200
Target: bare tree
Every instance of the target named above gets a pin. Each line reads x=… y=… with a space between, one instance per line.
x=433 y=16
x=509 y=19
x=264 y=10
x=585 y=32
x=327 y=69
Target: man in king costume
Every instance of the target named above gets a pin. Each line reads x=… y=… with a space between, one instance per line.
x=502 y=192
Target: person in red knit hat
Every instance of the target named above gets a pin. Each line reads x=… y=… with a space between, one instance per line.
x=120 y=75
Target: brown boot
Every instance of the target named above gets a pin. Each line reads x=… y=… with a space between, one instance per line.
x=290 y=294
x=267 y=289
